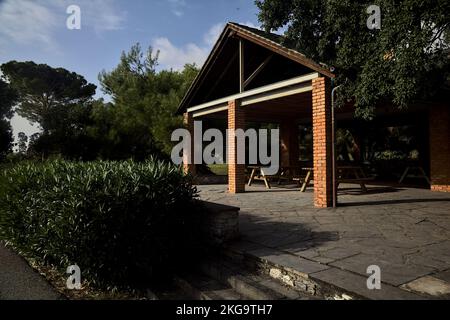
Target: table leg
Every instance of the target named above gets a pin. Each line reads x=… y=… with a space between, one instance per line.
x=362 y=185
x=306 y=182
x=424 y=175
x=280 y=176
x=265 y=179
x=405 y=173
x=252 y=176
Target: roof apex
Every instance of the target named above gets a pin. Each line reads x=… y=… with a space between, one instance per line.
x=269 y=40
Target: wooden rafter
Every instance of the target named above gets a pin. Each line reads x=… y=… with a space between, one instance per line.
x=258 y=70
x=241 y=65
x=225 y=70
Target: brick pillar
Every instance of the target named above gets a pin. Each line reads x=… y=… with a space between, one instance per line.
x=321 y=118
x=188 y=162
x=440 y=148
x=289 y=143
x=236 y=172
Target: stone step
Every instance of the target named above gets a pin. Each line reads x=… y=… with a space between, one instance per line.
x=249 y=284
x=310 y=277
x=200 y=287
x=292 y=271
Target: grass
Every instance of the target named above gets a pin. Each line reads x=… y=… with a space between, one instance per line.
x=219 y=169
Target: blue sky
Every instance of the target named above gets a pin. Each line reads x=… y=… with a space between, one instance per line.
x=183 y=30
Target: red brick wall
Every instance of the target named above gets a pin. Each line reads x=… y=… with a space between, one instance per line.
x=321 y=118
x=188 y=165
x=440 y=148
x=236 y=172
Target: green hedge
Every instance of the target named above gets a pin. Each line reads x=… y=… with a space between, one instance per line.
x=121 y=222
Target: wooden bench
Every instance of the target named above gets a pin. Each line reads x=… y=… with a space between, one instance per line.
x=352 y=174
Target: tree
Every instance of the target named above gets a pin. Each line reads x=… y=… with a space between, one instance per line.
x=58 y=100
x=22 y=142
x=46 y=94
x=406 y=59
x=7 y=99
x=139 y=120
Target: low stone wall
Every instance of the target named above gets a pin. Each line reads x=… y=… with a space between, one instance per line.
x=218 y=223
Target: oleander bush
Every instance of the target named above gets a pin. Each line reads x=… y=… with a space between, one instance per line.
x=122 y=223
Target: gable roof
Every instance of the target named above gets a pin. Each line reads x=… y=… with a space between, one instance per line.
x=271 y=41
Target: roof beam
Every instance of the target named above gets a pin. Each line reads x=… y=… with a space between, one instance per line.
x=254 y=92
x=216 y=109
x=258 y=70
x=275 y=94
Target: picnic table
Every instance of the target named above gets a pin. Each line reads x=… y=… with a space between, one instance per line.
x=288 y=173
x=420 y=173
x=344 y=174
x=301 y=175
x=352 y=174
x=257 y=173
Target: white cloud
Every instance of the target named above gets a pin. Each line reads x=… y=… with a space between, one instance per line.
x=213 y=34
x=24 y=22
x=35 y=22
x=173 y=57
x=101 y=15
x=177 y=7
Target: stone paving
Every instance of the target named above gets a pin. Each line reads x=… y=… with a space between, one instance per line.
x=405 y=231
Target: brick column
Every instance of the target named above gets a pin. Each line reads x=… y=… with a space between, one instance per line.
x=289 y=143
x=188 y=161
x=321 y=118
x=440 y=148
x=236 y=172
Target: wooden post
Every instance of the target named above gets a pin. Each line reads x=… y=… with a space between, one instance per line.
x=188 y=160
x=241 y=65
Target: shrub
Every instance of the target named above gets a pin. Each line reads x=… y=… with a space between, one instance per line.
x=121 y=222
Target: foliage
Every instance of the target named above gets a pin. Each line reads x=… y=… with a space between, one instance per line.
x=7 y=99
x=406 y=59
x=59 y=101
x=121 y=222
x=22 y=142
x=141 y=116
x=46 y=94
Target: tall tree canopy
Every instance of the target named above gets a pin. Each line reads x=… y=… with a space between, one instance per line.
x=141 y=116
x=7 y=99
x=407 y=59
x=58 y=100
x=46 y=94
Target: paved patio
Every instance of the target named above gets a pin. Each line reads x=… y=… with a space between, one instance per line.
x=405 y=231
